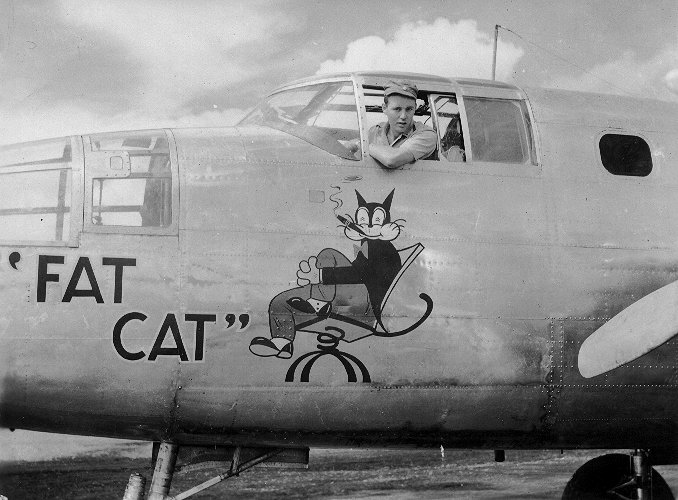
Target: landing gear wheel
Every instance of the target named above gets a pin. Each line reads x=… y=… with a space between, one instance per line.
x=611 y=476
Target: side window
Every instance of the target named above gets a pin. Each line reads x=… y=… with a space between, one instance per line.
x=35 y=191
x=131 y=181
x=449 y=129
x=625 y=155
x=499 y=130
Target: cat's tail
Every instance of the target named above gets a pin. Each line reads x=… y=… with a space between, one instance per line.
x=386 y=333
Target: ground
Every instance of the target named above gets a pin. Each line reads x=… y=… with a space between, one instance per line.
x=332 y=473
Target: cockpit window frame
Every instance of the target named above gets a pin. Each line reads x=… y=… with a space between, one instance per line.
x=297 y=131
x=461 y=90
x=531 y=168
x=432 y=96
x=378 y=84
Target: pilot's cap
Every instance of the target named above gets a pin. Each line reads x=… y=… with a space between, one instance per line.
x=406 y=89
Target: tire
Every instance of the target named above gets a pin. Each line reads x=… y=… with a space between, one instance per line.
x=597 y=477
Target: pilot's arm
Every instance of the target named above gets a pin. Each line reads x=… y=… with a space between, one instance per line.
x=391 y=157
x=419 y=145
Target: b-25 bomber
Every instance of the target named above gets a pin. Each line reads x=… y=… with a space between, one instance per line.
x=517 y=289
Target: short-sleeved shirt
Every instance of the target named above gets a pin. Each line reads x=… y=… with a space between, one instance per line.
x=421 y=141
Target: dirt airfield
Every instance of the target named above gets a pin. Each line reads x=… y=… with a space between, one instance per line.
x=102 y=473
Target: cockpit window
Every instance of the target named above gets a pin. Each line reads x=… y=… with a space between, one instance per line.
x=499 y=130
x=374 y=101
x=324 y=115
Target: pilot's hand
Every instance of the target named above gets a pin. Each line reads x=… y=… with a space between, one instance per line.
x=308 y=273
x=353 y=145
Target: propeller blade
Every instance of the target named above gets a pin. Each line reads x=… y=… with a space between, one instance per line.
x=644 y=325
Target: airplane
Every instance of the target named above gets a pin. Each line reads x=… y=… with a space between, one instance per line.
x=520 y=293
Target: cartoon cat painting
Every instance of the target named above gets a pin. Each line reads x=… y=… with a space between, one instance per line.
x=331 y=285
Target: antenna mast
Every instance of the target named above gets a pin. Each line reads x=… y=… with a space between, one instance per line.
x=494 y=52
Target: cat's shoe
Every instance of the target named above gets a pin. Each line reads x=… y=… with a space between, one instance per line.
x=286 y=351
x=321 y=307
x=264 y=347
x=311 y=306
x=325 y=310
x=301 y=305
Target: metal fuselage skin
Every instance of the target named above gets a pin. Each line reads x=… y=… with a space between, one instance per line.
x=522 y=263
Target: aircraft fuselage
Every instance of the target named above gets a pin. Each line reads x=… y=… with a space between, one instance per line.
x=139 y=329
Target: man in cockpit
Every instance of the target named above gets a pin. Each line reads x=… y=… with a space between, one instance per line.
x=401 y=140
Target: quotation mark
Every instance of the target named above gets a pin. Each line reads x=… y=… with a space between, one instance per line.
x=14 y=259
x=243 y=320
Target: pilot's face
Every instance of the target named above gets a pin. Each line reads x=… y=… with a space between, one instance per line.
x=400 y=113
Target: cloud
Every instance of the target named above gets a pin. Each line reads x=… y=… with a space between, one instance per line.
x=440 y=48
x=655 y=77
x=100 y=66
x=180 y=47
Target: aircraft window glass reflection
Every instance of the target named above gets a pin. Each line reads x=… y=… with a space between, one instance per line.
x=324 y=115
x=35 y=191
x=144 y=197
x=499 y=130
x=625 y=155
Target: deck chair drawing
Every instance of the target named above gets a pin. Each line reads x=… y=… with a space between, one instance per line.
x=335 y=328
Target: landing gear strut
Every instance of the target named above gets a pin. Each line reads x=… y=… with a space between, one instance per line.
x=240 y=459
x=617 y=476
x=164 y=470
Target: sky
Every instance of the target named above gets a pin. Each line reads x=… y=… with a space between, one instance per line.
x=70 y=67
